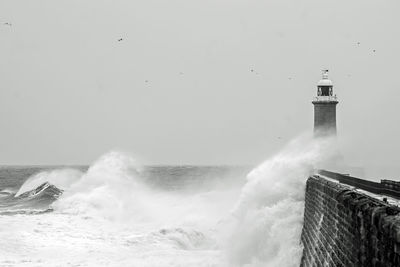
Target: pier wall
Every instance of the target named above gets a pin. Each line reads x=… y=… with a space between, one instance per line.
x=345 y=227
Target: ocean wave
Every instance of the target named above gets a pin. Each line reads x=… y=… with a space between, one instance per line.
x=35 y=201
x=7 y=191
x=27 y=211
x=265 y=224
x=60 y=178
x=256 y=225
x=51 y=191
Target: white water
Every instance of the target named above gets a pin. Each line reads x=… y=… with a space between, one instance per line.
x=59 y=178
x=266 y=222
x=108 y=216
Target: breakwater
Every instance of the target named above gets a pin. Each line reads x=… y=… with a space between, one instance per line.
x=345 y=226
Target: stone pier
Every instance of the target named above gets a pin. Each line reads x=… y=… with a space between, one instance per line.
x=348 y=227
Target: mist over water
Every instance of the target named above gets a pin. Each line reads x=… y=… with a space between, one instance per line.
x=111 y=215
x=266 y=220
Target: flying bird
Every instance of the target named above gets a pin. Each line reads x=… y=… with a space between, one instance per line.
x=120 y=39
x=374 y=50
x=8 y=24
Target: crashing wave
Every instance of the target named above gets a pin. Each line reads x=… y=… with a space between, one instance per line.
x=45 y=188
x=35 y=201
x=61 y=179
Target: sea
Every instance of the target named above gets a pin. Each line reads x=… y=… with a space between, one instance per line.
x=117 y=212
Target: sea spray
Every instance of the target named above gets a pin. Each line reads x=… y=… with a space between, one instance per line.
x=109 y=215
x=110 y=189
x=265 y=226
x=113 y=189
x=61 y=178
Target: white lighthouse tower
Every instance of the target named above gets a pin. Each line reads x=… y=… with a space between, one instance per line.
x=325 y=108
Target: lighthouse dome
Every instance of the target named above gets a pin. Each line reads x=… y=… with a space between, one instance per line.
x=325 y=80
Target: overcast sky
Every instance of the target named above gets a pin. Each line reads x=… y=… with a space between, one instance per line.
x=179 y=88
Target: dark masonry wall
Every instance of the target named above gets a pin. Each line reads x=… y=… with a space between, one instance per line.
x=347 y=228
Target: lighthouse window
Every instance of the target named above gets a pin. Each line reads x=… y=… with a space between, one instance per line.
x=325 y=90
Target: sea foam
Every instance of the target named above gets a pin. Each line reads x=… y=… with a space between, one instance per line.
x=265 y=225
x=111 y=216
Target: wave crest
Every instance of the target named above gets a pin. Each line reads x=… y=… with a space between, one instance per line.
x=61 y=179
x=108 y=189
x=266 y=221
x=46 y=188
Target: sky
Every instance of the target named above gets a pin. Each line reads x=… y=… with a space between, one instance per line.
x=194 y=81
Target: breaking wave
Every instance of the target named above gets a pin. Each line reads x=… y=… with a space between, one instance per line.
x=35 y=201
x=256 y=225
x=265 y=226
x=61 y=179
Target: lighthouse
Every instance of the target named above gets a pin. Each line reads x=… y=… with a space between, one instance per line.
x=325 y=108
